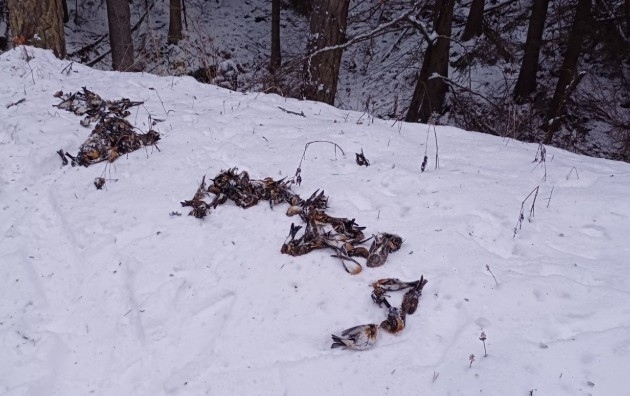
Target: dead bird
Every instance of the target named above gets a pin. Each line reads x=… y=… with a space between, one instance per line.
x=200 y=207
x=294 y=210
x=410 y=299
x=378 y=295
x=395 y=321
x=393 y=284
x=355 y=251
x=379 y=250
x=394 y=242
x=348 y=228
x=360 y=337
x=383 y=244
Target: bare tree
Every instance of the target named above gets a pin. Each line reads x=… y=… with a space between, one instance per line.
x=569 y=77
x=118 y=16
x=38 y=23
x=526 y=83
x=328 y=29
x=431 y=88
x=474 y=23
x=276 y=57
x=175 y=22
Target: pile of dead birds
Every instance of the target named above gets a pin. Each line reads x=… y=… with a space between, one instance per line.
x=320 y=230
x=112 y=136
x=365 y=336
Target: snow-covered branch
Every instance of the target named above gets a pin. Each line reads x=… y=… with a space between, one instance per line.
x=423 y=29
x=379 y=29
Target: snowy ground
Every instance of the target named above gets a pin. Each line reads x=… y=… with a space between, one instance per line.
x=103 y=292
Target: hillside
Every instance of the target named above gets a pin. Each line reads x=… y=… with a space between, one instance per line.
x=111 y=292
x=378 y=75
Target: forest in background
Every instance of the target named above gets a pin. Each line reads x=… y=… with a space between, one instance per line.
x=538 y=71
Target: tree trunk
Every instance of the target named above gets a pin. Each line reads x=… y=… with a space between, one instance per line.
x=4 y=20
x=276 y=57
x=430 y=89
x=118 y=16
x=627 y=6
x=328 y=28
x=66 y=16
x=38 y=23
x=474 y=23
x=569 y=77
x=526 y=83
x=437 y=6
x=175 y=22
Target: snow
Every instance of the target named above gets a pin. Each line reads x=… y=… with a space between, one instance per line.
x=103 y=292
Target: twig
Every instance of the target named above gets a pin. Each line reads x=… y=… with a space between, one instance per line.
x=436 y=374
x=467 y=89
x=298 y=173
x=406 y=16
x=89 y=46
x=495 y=279
x=67 y=69
x=28 y=63
x=158 y=95
x=576 y=173
x=542 y=159
x=301 y=113
x=99 y=58
x=437 y=149
x=498 y=6
x=482 y=337
x=16 y=103
x=549 y=199
x=426 y=147
x=521 y=215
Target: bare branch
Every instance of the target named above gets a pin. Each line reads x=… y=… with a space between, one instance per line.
x=379 y=29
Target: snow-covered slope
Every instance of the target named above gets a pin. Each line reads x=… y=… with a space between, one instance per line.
x=103 y=292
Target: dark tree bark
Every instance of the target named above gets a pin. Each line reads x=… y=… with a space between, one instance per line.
x=431 y=90
x=175 y=22
x=328 y=28
x=38 y=23
x=474 y=23
x=569 y=78
x=627 y=5
x=526 y=83
x=437 y=6
x=66 y=16
x=276 y=57
x=118 y=16
x=4 y=34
